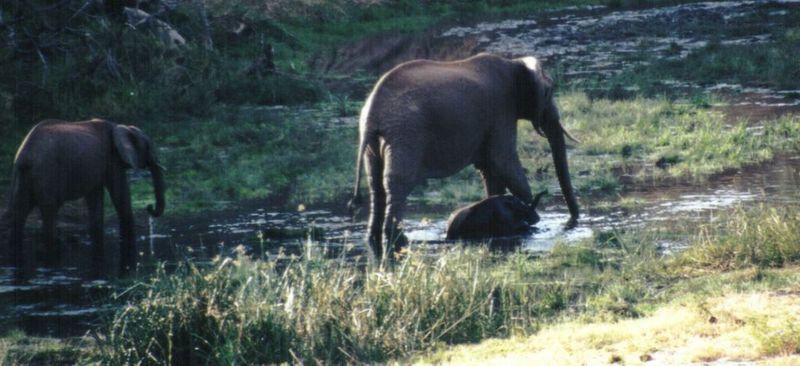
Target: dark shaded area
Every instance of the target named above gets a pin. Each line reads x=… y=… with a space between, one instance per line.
x=72 y=59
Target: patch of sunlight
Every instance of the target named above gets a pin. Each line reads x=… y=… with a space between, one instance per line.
x=755 y=326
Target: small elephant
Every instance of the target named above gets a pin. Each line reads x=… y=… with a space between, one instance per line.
x=62 y=161
x=430 y=119
x=493 y=217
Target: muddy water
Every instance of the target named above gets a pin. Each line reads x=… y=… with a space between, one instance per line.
x=63 y=301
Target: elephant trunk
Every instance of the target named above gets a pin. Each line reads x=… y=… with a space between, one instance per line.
x=158 y=187
x=555 y=135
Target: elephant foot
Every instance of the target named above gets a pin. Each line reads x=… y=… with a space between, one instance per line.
x=571 y=224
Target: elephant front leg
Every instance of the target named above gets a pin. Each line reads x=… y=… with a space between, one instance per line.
x=511 y=172
x=121 y=197
x=94 y=203
x=52 y=249
x=492 y=183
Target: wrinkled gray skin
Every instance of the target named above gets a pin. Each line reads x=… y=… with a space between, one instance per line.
x=493 y=217
x=62 y=161
x=427 y=119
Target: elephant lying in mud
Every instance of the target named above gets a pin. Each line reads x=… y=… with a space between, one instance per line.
x=493 y=217
x=62 y=161
x=428 y=119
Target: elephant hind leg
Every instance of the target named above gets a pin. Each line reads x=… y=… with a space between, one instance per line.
x=395 y=211
x=399 y=179
x=377 y=202
x=20 y=206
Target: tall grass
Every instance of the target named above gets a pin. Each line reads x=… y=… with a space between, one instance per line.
x=310 y=311
x=658 y=138
x=763 y=237
x=313 y=310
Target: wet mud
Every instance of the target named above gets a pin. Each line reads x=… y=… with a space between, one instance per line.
x=63 y=300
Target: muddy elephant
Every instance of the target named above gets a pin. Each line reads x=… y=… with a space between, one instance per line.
x=62 y=161
x=493 y=217
x=428 y=119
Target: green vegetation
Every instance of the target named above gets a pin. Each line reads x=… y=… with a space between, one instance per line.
x=310 y=310
x=658 y=138
x=18 y=349
x=773 y=63
x=293 y=156
x=301 y=156
x=757 y=326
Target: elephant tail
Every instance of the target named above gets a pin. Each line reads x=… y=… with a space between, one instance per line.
x=366 y=136
x=18 y=191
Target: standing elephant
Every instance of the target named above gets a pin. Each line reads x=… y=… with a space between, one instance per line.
x=429 y=119
x=493 y=217
x=62 y=161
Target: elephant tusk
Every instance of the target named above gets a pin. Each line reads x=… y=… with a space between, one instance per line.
x=566 y=133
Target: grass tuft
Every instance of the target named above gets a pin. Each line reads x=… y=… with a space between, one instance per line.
x=764 y=237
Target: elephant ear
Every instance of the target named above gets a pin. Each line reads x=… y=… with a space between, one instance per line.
x=126 y=141
x=540 y=87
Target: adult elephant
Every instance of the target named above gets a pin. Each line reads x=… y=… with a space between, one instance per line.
x=62 y=161
x=429 y=119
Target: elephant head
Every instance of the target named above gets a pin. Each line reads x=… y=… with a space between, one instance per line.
x=136 y=151
x=536 y=103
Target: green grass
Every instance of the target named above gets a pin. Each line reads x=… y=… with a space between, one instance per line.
x=18 y=349
x=290 y=157
x=310 y=310
x=652 y=139
x=769 y=243
x=771 y=64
